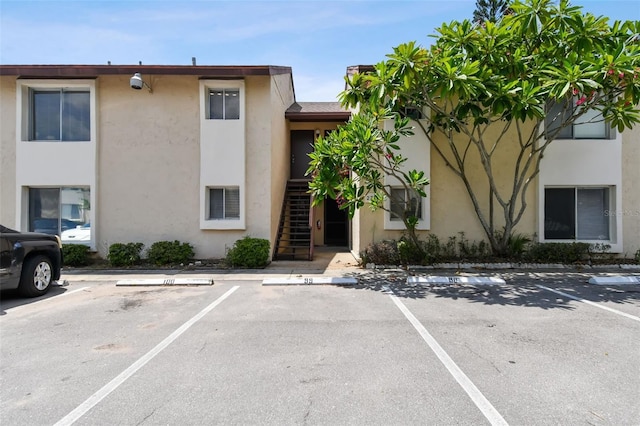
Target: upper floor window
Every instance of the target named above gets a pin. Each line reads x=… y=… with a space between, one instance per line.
x=224 y=104
x=59 y=115
x=590 y=125
x=413 y=112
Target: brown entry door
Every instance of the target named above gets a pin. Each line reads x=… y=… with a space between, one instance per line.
x=301 y=145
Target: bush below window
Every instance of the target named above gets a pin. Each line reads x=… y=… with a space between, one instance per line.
x=557 y=252
x=249 y=253
x=75 y=255
x=124 y=254
x=170 y=252
x=459 y=249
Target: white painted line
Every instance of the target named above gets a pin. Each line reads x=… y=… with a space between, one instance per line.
x=456 y=279
x=44 y=299
x=588 y=302
x=66 y=293
x=310 y=281
x=94 y=399
x=614 y=280
x=165 y=281
x=476 y=396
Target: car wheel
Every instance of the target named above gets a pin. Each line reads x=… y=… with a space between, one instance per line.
x=35 y=278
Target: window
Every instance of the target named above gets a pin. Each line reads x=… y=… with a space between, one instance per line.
x=224 y=104
x=412 y=112
x=589 y=125
x=59 y=115
x=405 y=203
x=224 y=203
x=576 y=214
x=61 y=211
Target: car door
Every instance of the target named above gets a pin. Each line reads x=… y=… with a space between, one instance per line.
x=9 y=275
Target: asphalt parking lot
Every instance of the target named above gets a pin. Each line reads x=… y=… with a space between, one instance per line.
x=542 y=349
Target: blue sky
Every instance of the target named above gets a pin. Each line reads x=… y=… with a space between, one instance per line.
x=318 y=39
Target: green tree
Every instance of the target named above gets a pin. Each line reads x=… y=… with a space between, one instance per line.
x=361 y=161
x=490 y=10
x=543 y=61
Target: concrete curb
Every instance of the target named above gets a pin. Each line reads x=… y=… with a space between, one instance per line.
x=310 y=281
x=452 y=280
x=164 y=282
x=614 y=280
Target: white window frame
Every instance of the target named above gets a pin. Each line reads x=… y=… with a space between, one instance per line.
x=609 y=213
x=582 y=122
x=226 y=91
x=394 y=223
x=24 y=117
x=230 y=223
x=25 y=213
x=224 y=190
x=404 y=201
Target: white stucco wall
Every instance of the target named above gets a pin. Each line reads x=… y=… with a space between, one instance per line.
x=584 y=163
x=417 y=151
x=52 y=164
x=222 y=154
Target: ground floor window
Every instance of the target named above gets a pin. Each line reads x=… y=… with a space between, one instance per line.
x=577 y=213
x=405 y=203
x=224 y=203
x=63 y=211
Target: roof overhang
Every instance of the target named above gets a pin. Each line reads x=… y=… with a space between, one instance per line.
x=317 y=111
x=85 y=71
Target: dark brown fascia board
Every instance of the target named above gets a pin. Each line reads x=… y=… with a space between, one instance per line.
x=86 y=71
x=318 y=116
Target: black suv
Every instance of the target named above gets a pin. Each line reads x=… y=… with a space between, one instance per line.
x=29 y=261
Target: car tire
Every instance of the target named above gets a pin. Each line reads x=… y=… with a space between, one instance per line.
x=36 y=276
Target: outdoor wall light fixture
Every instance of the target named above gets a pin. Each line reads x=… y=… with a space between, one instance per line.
x=138 y=83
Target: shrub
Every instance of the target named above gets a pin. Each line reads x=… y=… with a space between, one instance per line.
x=409 y=253
x=75 y=254
x=124 y=254
x=433 y=249
x=249 y=253
x=637 y=256
x=472 y=250
x=518 y=244
x=170 y=252
x=557 y=252
x=381 y=253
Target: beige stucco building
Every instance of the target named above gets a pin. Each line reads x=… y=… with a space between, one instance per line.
x=209 y=154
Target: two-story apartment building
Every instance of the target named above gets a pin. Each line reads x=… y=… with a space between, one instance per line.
x=209 y=154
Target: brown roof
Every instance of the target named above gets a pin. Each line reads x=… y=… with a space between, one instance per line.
x=78 y=71
x=317 y=111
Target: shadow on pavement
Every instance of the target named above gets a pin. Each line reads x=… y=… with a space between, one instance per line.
x=521 y=289
x=12 y=299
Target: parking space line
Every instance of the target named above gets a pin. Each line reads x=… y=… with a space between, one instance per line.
x=20 y=308
x=474 y=393
x=94 y=399
x=74 y=291
x=588 y=302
